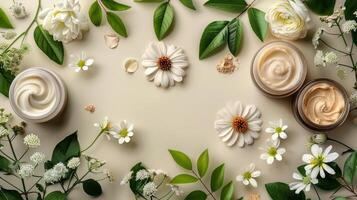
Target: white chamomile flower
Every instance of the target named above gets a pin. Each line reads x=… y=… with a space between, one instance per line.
x=249 y=176
x=26 y=170
x=81 y=62
x=272 y=152
x=149 y=189
x=277 y=130
x=319 y=59
x=105 y=127
x=126 y=178
x=37 y=157
x=349 y=25
x=317 y=161
x=238 y=122
x=123 y=132
x=302 y=183
x=142 y=175
x=73 y=163
x=32 y=140
x=164 y=64
x=18 y=10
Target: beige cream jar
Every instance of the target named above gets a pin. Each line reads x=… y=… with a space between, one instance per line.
x=321 y=105
x=279 y=69
x=37 y=95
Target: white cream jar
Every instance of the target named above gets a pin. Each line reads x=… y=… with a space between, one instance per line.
x=37 y=95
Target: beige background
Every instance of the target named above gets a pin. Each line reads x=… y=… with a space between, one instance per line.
x=179 y=118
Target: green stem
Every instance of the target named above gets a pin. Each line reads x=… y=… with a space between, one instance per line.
x=77 y=182
x=24 y=153
x=344 y=65
x=318 y=196
x=95 y=139
x=204 y=185
x=35 y=184
x=10 y=184
x=341 y=143
x=245 y=9
x=6 y=155
x=331 y=47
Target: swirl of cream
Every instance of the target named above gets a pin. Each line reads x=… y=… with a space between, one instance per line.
x=323 y=104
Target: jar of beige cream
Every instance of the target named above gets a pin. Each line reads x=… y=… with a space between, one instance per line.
x=321 y=105
x=37 y=95
x=279 y=69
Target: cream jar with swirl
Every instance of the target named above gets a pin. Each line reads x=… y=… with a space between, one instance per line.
x=279 y=69
x=321 y=105
x=37 y=95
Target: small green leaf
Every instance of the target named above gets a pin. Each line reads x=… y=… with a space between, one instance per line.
x=235 y=35
x=235 y=6
x=349 y=169
x=339 y=198
x=4 y=164
x=351 y=7
x=115 y=6
x=183 y=179
x=181 y=159
x=117 y=24
x=4 y=20
x=6 y=78
x=281 y=191
x=95 y=13
x=53 y=49
x=66 y=149
x=92 y=188
x=227 y=191
x=217 y=178
x=9 y=194
x=40 y=187
x=258 y=23
x=163 y=20
x=56 y=195
x=202 y=163
x=188 y=4
x=319 y=7
x=214 y=37
x=137 y=186
x=196 y=195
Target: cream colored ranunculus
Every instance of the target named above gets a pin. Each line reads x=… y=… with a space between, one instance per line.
x=64 y=21
x=288 y=19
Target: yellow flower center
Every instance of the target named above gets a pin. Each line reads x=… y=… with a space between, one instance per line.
x=81 y=63
x=240 y=124
x=164 y=63
x=124 y=132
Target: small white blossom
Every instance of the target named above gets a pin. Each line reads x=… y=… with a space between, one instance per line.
x=9 y=35
x=60 y=169
x=26 y=170
x=156 y=172
x=353 y=99
x=32 y=140
x=95 y=165
x=302 y=183
x=319 y=59
x=126 y=178
x=176 y=189
x=18 y=10
x=277 y=130
x=73 y=163
x=272 y=152
x=349 y=25
x=4 y=117
x=335 y=17
x=142 y=174
x=355 y=13
x=105 y=127
x=317 y=161
x=150 y=189
x=3 y=132
x=51 y=176
x=317 y=36
x=109 y=175
x=123 y=132
x=341 y=73
x=249 y=176
x=320 y=138
x=37 y=158
x=81 y=62
x=331 y=57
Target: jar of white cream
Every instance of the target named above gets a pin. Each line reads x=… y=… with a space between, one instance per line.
x=37 y=95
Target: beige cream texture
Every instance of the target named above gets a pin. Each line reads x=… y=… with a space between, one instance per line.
x=179 y=118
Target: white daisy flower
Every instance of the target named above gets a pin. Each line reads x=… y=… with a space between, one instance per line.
x=32 y=141
x=277 y=130
x=236 y=122
x=249 y=176
x=126 y=178
x=164 y=64
x=149 y=189
x=317 y=161
x=81 y=62
x=37 y=158
x=105 y=127
x=302 y=183
x=272 y=152
x=123 y=132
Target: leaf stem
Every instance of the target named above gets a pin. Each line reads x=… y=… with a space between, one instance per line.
x=10 y=184
x=341 y=143
x=245 y=9
x=317 y=194
x=95 y=139
x=204 y=185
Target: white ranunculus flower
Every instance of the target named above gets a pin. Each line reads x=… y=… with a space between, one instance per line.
x=64 y=21
x=288 y=19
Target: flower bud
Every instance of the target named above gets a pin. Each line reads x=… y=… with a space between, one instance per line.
x=319 y=138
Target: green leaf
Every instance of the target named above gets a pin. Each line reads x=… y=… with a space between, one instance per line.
x=117 y=24
x=56 y=195
x=351 y=7
x=217 y=178
x=324 y=7
x=281 y=191
x=163 y=20
x=4 y=164
x=235 y=6
x=235 y=35
x=9 y=194
x=136 y=186
x=227 y=191
x=196 y=195
x=40 y=187
x=115 y=6
x=53 y=49
x=339 y=198
x=214 y=37
x=181 y=159
x=183 y=179
x=4 y=20
x=66 y=149
x=188 y=4
x=202 y=163
x=258 y=23
x=148 y=1
x=349 y=169
x=6 y=78
x=95 y=13
x=92 y=188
